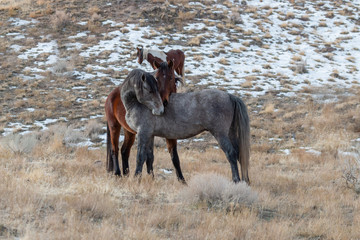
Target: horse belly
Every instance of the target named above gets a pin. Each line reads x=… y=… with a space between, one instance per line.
x=176 y=130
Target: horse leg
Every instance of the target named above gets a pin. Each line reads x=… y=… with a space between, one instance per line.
x=150 y=158
x=142 y=151
x=231 y=155
x=129 y=139
x=235 y=143
x=172 y=148
x=115 y=133
x=109 y=161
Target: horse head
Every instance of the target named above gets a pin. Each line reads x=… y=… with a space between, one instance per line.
x=147 y=93
x=165 y=76
x=139 y=55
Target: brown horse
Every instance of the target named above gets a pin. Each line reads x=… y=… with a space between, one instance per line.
x=152 y=56
x=115 y=115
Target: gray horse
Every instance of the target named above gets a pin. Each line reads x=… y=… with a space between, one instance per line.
x=186 y=115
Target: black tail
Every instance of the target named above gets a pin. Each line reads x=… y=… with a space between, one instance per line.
x=109 y=162
x=241 y=125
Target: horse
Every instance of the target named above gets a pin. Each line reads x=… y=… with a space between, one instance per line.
x=224 y=115
x=152 y=56
x=115 y=116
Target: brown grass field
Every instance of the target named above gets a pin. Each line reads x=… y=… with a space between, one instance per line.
x=305 y=157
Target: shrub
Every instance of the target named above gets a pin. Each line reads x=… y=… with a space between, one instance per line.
x=351 y=171
x=217 y=192
x=60 y=66
x=66 y=134
x=20 y=144
x=93 y=129
x=60 y=20
x=195 y=41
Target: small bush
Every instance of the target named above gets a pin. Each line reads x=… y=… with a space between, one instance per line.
x=66 y=134
x=235 y=18
x=351 y=171
x=195 y=41
x=93 y=129
x=61 y=66
x=60 y=20
x=94 y=23
x=217 y=192
x=20 y=144
x=300 y=67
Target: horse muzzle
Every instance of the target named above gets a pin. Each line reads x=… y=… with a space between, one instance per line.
x=158 y=111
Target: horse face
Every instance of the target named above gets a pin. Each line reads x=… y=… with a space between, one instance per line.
x=148 y=95
x=166 y=80
x=139 y=55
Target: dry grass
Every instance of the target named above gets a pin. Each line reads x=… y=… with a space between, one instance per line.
x=55 y=190
x=304 y=182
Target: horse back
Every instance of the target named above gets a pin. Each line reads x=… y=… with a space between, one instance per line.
x=177 y=56
x=207 y=107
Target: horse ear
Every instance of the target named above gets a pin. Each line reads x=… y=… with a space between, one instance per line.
x=171 y=63
x=156 y=65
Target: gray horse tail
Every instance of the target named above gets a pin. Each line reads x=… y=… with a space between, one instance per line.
x=109 y=162
x=240 y=127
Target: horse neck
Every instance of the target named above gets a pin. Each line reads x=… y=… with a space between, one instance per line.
x=145 y=53
x=128 y=95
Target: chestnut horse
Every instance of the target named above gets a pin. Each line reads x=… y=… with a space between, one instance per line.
x=115 y=115
x=152 y=56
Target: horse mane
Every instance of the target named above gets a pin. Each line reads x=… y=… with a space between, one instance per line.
x=155 y=53
x=179 y=80
x=149 y=78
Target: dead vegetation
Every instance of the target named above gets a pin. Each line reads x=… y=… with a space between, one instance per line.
x=304 y=169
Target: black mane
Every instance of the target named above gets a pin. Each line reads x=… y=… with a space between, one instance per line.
x=137 y=75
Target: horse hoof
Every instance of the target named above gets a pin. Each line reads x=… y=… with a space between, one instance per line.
x=182 y=181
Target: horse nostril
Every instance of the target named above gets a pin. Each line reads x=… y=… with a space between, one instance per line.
x=165 y=103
